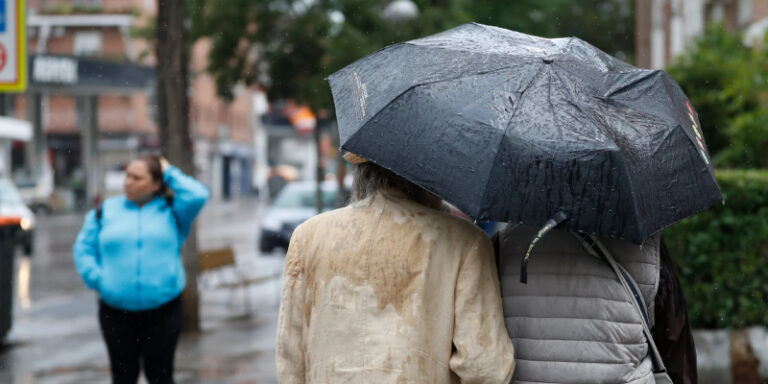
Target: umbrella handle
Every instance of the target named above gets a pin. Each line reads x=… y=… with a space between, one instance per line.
x=558 y=218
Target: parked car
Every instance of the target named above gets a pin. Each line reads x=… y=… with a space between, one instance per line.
x=293 y=205
x=37 y=198
x=36 y=192
x=13 y=211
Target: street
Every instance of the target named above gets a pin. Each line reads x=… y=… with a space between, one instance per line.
x=56 y=339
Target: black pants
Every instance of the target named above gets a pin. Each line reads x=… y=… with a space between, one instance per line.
x=147 y=337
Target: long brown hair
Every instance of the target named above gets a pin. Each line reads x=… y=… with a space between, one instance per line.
x=155 y=168
x=370 y=178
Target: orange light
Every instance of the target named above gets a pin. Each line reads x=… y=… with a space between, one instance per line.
x=9 y=220
x=304 y=120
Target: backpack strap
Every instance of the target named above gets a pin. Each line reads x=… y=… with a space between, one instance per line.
x=99 y=213
x=595 y=247
x=169 y=202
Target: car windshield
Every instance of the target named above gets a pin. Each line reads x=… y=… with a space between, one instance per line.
x=303 y=198
x=9 y=194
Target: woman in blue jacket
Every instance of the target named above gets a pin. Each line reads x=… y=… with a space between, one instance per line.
x=129 y=252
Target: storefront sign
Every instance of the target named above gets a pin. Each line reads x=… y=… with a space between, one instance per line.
x=58 y=70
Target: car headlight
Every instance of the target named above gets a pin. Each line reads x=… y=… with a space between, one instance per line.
x=27 y=223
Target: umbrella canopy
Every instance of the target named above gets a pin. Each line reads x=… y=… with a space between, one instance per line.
x=517 y=128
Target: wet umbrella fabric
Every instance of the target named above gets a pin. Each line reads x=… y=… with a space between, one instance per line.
x=517 y=128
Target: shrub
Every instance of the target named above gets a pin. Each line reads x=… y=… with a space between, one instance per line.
x=723 y=254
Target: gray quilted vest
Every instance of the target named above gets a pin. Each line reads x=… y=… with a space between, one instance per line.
x=574 y=322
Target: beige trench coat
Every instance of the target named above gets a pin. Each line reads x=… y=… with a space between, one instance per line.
x=389 y=291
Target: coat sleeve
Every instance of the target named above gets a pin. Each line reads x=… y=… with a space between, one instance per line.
x=86 y=252
x=483 y=352
x=189 y=197
x=290 y=347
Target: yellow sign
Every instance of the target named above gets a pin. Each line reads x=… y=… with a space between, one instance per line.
x=13 y=46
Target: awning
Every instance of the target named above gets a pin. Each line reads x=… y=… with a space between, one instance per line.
x=15 y=129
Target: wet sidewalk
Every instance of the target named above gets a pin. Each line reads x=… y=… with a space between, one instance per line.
x=59 y=341
x=56 y=338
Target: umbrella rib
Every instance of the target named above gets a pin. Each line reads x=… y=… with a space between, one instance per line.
x=623 y=163
x=668 y=82
x=506 y=129
x=667 y=136
x=575 y=103
x=568 y=45
x=610 y=96
x=399 y=95
x=644 y=112
x=649 y=74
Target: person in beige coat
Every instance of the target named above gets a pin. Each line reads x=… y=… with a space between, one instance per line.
x=391 y=289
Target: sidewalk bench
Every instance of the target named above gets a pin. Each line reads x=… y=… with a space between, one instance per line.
x=218 y=269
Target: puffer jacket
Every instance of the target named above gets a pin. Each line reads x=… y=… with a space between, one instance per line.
x=574 y=322
x=132 y=255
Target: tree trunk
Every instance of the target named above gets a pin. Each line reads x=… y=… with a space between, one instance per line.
x=173 y=127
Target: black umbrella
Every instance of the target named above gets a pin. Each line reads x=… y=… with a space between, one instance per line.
x=517 y=128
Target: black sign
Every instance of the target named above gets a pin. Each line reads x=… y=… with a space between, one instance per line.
x=74 y=73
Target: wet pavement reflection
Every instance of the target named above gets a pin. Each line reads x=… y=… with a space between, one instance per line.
x=55 y=337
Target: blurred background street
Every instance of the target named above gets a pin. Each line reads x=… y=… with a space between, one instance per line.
x=56 y=338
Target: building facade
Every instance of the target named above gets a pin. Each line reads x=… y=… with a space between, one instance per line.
x=86 y=132
x=664 y=28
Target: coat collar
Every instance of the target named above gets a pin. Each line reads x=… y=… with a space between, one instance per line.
x=131 y=205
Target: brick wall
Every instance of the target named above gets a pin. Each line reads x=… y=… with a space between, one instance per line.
x=208 y=111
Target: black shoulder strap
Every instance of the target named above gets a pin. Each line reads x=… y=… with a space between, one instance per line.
x=594 y=247
x=169 y=201
x=99 y=213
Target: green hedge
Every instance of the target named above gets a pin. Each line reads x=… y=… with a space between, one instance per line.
x=723 y=253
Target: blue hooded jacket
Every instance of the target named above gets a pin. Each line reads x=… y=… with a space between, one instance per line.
x=133 y=257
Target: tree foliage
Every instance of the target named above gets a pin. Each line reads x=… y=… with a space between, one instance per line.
x=606 y=24
x=290 y=46
x=727 y=83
